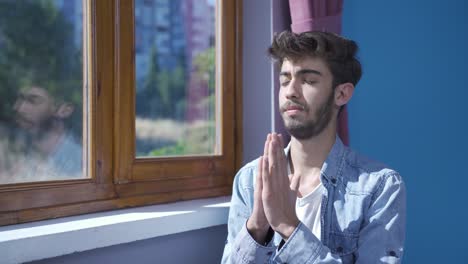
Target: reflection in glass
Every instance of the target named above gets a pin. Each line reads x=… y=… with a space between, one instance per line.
x=41 y=73
x=175 y=77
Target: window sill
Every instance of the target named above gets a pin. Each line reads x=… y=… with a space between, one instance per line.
x=57 y=237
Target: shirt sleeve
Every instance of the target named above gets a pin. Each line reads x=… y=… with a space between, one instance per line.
x=240 y=246
x=247 y=250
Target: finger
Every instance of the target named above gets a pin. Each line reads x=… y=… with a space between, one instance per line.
x=281 y=139
x=259 y=180
x=294 y=182
x=265 y=172
x=280 y=158
x=267 y=144
x=266 y=155
x=271 y=154
x=281 y=148
x=276 y=172
x=258 y=204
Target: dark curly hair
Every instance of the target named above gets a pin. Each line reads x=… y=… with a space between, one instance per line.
x=338 y=52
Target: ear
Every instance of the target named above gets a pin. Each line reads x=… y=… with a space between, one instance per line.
x=64 y=110
x=343 y=93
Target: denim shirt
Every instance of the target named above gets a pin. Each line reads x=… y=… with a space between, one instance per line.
x=363 y=215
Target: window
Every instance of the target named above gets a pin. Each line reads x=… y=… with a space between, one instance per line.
x=41 y=64
x=147 y=112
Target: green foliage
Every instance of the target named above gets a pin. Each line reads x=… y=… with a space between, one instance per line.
x=36 y=47
x=173 y=150
x=205 y=65
x=163 y=92
x=199 y=139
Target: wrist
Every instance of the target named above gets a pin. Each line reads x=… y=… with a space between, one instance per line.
x=258 y=232
x=286 y=229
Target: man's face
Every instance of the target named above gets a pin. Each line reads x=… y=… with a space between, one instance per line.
x=34 y=109
x=306 y=97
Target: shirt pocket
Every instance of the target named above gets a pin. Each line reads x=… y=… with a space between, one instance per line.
x=344 y=245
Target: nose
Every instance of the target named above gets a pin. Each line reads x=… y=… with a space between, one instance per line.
x=19 y=106
x=293 y=89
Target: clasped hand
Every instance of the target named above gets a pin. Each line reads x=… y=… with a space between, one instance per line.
x=275 y=194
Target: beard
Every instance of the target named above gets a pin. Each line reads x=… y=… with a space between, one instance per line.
x=35 y=130
x=305 y=129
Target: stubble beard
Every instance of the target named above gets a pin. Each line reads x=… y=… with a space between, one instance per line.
x=306 y=129
x=38 y=131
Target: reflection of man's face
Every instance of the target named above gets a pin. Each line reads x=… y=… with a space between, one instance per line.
x=34 y=108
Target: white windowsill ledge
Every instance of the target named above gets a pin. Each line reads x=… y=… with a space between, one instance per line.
x=57 y=237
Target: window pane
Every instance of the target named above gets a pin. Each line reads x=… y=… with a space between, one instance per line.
x=175 y=78
x=41 y=90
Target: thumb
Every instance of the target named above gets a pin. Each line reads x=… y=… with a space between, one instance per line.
x=294 y=182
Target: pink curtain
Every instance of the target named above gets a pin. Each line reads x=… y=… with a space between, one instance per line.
x=324 y=15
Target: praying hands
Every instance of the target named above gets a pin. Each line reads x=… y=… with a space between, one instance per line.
x=275 y=194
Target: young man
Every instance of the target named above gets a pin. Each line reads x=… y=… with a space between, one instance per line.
x=316 y=201
x=49 y=151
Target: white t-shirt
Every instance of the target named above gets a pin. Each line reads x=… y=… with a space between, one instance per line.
x=308 y=210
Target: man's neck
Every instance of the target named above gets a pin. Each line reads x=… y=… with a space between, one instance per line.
x=49 y=140
x=307 y=157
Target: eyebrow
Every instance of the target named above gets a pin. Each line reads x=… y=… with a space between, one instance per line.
x=301 y=72
x=30 y=96
x=33 y=96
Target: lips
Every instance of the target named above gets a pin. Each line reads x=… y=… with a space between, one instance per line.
x=292 y=107
x=23 y=122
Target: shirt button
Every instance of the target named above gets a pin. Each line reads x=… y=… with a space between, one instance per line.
x=333 y=180
x=392 y=253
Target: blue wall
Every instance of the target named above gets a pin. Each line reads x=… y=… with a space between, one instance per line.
x=409 y=111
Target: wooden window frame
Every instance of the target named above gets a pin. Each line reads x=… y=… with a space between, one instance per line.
x=116 y=178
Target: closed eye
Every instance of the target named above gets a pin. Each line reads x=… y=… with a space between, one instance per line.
x=310 y=82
